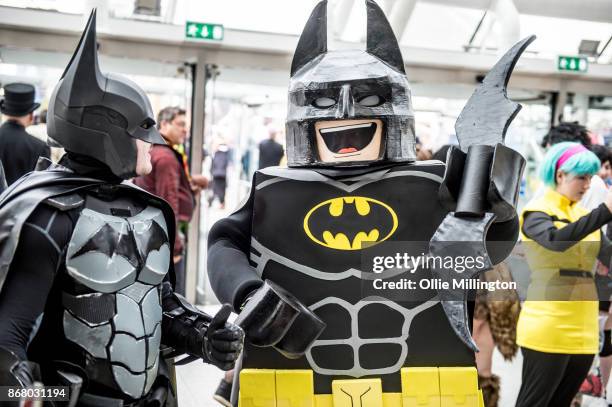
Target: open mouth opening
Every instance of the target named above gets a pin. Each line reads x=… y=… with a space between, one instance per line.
x=348 y=139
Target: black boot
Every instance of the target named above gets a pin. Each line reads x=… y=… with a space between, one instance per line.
x=224 y=393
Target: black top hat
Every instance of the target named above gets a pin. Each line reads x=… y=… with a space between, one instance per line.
x=18 y=99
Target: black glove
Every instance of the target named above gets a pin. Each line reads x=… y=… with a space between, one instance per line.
x=222 y=340
x=189 y=330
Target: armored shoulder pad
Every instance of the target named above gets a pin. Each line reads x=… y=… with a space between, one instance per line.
x=65 y=202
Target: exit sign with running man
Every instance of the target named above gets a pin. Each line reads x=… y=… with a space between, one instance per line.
x=572 y=63
x=203 y=31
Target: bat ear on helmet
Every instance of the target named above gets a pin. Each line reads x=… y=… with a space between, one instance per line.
x=83 y=75
x=313 y=41
x=381 y=41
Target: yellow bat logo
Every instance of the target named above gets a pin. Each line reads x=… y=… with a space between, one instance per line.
x=346 y=223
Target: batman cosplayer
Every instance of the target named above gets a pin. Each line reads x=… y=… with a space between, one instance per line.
x=292 y=259
x=86 y=280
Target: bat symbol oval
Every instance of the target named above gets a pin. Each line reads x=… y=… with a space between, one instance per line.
x=350 y=222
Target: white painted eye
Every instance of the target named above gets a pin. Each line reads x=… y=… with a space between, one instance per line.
x=371 y=101
x=323 y=102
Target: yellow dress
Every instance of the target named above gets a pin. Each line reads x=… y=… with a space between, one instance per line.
x=559 y=315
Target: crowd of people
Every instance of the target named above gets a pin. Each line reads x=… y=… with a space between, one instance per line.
x=563 y=227
x=572 y=207
x=170 y=178
x=566 y=243
x=87 y=281
x=109 y=285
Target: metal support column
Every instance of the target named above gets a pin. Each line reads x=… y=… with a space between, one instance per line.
x=581 y=107
x=559 y=103
x=197 y=141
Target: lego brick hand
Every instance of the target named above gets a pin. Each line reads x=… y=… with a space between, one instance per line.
x=274 y=317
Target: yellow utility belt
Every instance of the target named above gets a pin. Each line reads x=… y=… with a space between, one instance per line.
x=421 y=387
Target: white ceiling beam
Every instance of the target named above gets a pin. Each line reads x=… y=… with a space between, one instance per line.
x=400 y=15
x=588 y=10
x=257 y=78
x=507 y=16
x=57 y=32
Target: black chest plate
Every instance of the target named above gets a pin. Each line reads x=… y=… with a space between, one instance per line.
x=313 y=235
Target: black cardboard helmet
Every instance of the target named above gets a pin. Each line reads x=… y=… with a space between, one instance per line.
x=346 y=77
x=100 y=115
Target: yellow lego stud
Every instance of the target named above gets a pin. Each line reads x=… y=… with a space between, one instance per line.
x=323 y=400
x=459 y=387
x=257 y=388
x=357 y=393
x=294 y=388
x=420 y=387
x=392 y=400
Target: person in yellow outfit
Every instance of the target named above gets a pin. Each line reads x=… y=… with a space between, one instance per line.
x=557 y=328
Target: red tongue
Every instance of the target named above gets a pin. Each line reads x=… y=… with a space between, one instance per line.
x=347 y=150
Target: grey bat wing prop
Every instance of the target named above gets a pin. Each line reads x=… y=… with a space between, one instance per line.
x=488 y=113
x=482 y=126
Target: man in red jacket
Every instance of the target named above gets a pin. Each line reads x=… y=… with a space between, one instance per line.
x=171 y=181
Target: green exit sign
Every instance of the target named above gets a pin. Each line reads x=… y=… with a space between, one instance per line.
x=573 y=64
x=203 y=31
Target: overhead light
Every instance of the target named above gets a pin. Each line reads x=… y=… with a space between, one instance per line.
x=588 y=48
x=147 y=7
x=600 y=102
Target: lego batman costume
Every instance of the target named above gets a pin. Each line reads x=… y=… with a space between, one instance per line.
x=86 y=280
x=292 y=257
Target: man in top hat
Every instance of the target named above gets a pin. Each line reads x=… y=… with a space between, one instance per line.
x=19 y=150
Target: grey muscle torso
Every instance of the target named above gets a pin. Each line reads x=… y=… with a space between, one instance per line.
x=111 y=298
